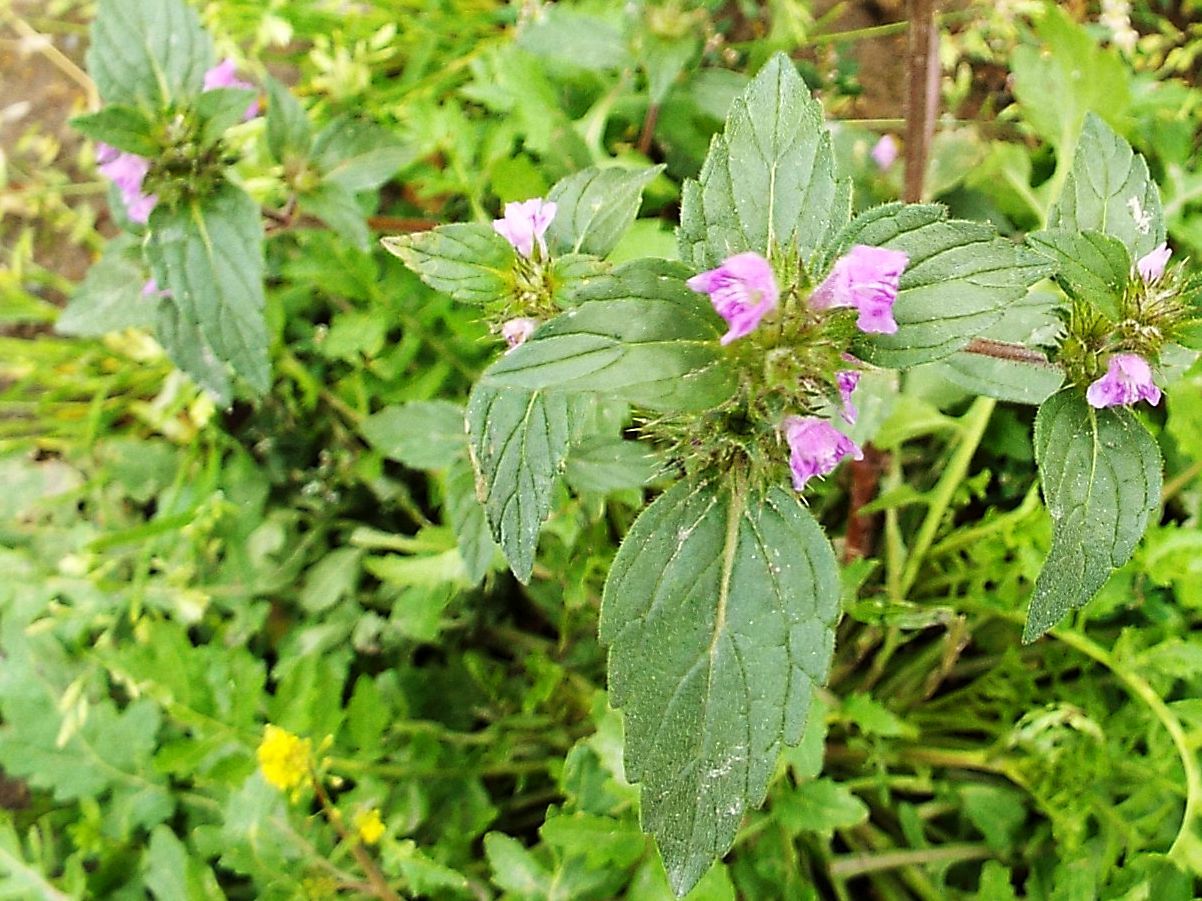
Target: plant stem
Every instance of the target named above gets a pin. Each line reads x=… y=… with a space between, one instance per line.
x=849 y=865
x=973 y=425
x=379 y=884
x=923 y=100
x=1004 y=350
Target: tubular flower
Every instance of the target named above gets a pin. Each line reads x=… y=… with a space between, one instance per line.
x=127 y=171
x=815 y=448
x=743 y=290
x=516 y=331
x=1151 y=265
x=1128 y=379
x=884 y=152
x=222 y=76
x=526 y=222
x=283 y=758
x=866 y=278
x=847 y=380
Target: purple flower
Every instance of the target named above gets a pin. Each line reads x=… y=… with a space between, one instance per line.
x=742 y=290
x=1128 y=379
x=1151 y=265
x=815 y=448
x=884 y=152
x=524 y=223
x=127 y=171
x=222 y=76
x=516 y=331
x=151 y=289
x=866 y=278
x=846 y=380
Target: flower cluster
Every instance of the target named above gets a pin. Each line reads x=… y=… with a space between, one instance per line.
x=128 y=171
x=743 y=291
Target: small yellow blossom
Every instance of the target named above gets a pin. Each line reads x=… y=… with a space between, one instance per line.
x=284 y=758
x=369 y=826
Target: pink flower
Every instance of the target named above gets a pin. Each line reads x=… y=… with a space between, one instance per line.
x=866 y=278
x=516 y=331
x=524 y=223
x=884 y=152
x=1128 y=379
x=743 y=290
x=846 y=380
x=151 y=289
x=815 y=448
x=127 y=171
x=222 y=76
x=1151 y=265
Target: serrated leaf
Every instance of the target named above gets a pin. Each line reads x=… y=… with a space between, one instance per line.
x=596 y=206
x=110 y=297
x=358 y=155
x=769 y=179
x=1109 y=190
x=148 y=55
x=188 y=349
x=611 y=464
x=518 y=441
x=123 y=127
x=639 y=334
x=719 y=614
x=514 y=868
x=467 y=518
x=422 y=434
x=1091 y=266
x=289 y=135
x=1101 y=477
x=208 y=254
x=960 y=278
x=468 y=261
x=337 y=207
x=1030 y=321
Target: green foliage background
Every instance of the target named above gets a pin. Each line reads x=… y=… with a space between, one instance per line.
x=173 y=577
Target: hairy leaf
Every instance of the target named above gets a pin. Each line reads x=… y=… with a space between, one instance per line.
x=148 y=54
x=123 y=127
x=596 y=207
x=769 y=179
x=960 y=278
x=719 y=613
x=208 y=254
x=1101 y=476
x=1091 y=266
x=639 y=334
x=518 y=442
x=1109 y=190
x=188 y=349
x=470 y=262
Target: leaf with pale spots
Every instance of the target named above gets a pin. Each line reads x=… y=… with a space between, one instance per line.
x=719 y=614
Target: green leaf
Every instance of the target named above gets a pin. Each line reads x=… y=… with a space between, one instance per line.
x=1101 y=476
x=467 y=518
x=172 y=875
x=358 y=155
x=331 y=579
x=639 y=334
x=960 y=279
x=1058 y=83
x=600 y=840
x=289 y=135
x=1030 y=321
x=575 y=39
x=470 y=262
x=188 y=349
x=596 y=207
x=110 y=297
x=1090 y=266
x=819 y=805
x=769 y=179
x=514 y=868
x=208 y=253
x=123 y=127
x=422 y=434
x=518 y=441
x=219 y=109
x=719 y=613
x=148 y=55
x=1109 y=190
x=611 y=464
x=337 y=207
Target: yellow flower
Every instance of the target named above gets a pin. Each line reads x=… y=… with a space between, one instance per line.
x=369 y=826
x=284 y=758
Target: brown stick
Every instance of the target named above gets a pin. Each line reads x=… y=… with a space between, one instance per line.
x=923 y=100
x=1003 y=350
